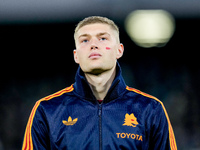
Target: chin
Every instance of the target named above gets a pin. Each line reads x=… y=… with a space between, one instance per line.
x=96 y=68
x=97 y=71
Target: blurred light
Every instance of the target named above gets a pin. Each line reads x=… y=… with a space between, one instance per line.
x=150 y=28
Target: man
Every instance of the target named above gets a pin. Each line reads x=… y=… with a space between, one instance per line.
x=99 y=111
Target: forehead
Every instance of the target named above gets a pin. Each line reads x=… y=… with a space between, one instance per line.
x=94 y=29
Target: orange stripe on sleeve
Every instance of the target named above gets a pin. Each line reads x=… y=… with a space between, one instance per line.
x=27 y=142
x=172 y=140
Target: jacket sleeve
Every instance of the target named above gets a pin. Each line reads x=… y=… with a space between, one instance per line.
x=36 y=134
x=162 y=135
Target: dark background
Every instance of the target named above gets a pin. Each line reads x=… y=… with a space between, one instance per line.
x=37 y=60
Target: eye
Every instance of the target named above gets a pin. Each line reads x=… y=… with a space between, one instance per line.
x=103 y=39
x=84 y=41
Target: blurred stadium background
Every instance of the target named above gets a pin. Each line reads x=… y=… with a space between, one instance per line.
x=36 y=43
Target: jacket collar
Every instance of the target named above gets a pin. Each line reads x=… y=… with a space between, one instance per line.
x=83 y=90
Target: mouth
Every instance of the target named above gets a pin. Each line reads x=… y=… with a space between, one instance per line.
x=94 y=55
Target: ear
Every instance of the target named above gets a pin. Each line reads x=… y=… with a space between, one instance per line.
x=120 y=51
x=76 y=56
x=127 y=115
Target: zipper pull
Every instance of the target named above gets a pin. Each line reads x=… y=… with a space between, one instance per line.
x=99 y=109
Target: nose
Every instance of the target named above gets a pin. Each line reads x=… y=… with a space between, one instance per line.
x=94 y=45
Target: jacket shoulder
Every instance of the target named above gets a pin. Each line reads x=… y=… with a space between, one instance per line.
x=145 y=96
x=160 y=112
x=56 y=95
x=37 y=114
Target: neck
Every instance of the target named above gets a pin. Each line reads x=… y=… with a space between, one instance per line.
x=101 y=83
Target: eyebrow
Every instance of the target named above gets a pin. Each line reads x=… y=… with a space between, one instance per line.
x=103 y=33
x=83 y=35
x=99 y=34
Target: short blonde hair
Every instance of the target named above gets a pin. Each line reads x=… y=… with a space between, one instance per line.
x=96 y=19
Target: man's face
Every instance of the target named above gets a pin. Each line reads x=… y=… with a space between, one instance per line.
x=97 y=48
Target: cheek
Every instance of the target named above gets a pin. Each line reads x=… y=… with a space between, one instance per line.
x=82 y=56
x=112 y=50
x=107 y=48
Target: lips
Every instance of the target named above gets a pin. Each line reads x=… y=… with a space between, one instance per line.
x=94 y=55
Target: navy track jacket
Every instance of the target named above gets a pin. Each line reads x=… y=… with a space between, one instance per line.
x=72 y=119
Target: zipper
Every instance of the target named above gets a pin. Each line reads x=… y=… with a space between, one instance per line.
x=100 y=126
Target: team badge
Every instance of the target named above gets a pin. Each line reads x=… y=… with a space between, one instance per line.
x=130 y=120
x=70 y=122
